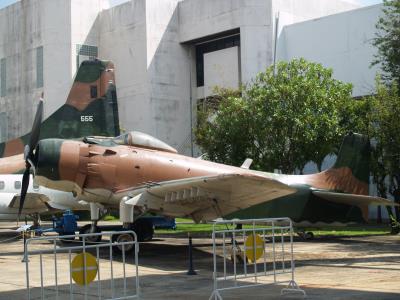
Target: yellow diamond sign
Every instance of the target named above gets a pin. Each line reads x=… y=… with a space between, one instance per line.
x=78 y=273
x=254 y=247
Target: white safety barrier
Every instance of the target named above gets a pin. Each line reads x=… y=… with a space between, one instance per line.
x=249 y=253
x=61 y=267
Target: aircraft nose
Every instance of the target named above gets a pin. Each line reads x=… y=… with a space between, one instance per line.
x=48 y=158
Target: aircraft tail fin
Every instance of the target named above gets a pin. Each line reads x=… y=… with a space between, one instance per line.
x=354 y=154
x=91 y=108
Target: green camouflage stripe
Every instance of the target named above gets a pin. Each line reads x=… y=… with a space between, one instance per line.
x=354 y=154
x=99 y=117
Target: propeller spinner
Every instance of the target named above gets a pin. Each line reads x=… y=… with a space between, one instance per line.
x=29 y=155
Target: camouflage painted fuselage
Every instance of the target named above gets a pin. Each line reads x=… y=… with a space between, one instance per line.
x=103 y=171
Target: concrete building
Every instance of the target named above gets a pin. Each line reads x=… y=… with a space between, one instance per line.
x=168 y=54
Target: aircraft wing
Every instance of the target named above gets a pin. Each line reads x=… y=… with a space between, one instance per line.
x=34 y=202
x=352 y=199
x=37 y=202
x=208 y=197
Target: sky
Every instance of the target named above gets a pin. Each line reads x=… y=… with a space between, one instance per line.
x=4 y=3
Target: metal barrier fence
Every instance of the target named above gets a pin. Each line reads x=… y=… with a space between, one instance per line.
x=60 y=267
x=249 y=253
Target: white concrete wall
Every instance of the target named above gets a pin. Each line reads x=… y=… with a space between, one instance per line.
x=56 y=32
x=302 y=10
x=168 y=68
x=198 y=19
x=57 y=26
x=152 y=68
x=84 y=28
x=122 y=39
x=342 y=42
x=21 y=31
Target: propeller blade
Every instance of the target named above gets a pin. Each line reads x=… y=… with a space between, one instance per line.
x=28 y=154
x=24 y=189
x=35 y=133
x=27 y=150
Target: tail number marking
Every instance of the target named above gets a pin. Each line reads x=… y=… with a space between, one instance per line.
x=86 y=118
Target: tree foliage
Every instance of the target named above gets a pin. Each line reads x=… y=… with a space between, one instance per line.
x=384 y=128
x=281 y=121
x=387 y=41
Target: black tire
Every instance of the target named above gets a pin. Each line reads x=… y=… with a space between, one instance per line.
x=124 y=237
x=144 y=230
x=309 y=235
x=88 y=229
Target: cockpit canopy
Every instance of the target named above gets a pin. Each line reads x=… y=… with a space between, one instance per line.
x=140 y=139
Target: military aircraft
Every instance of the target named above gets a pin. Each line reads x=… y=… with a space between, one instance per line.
x=91 y=108
x=140 y=174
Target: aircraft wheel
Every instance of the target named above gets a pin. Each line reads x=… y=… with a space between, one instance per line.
x=309 y=235
x=87 y=229
x=121 y=238
x=144 y=230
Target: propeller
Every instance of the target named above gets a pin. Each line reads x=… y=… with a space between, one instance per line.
x=29 y=155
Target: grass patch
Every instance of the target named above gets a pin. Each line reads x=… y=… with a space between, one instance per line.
x=350 y=231
x=110 y=218
x=185 y=226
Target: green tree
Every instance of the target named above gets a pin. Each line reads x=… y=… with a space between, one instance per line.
x=222 y=125
x=387 y=41
x=281 y=121
x=384 y=128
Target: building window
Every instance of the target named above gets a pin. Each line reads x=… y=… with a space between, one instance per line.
x=3 y=73
x=3 y=126
x=39 y=67
x=85 y=52
x=17 y=185
x=2 y=185
x=214 y=45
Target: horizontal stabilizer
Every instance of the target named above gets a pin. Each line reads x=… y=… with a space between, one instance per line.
x=353 y=199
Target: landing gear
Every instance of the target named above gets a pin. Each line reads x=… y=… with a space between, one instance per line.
x=306 y=235
x=121 y=238
x=36 y=220
x=142 y=227
x=144 y=230
x=90 y=228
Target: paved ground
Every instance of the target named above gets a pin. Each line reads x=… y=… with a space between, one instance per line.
x=335 y=268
